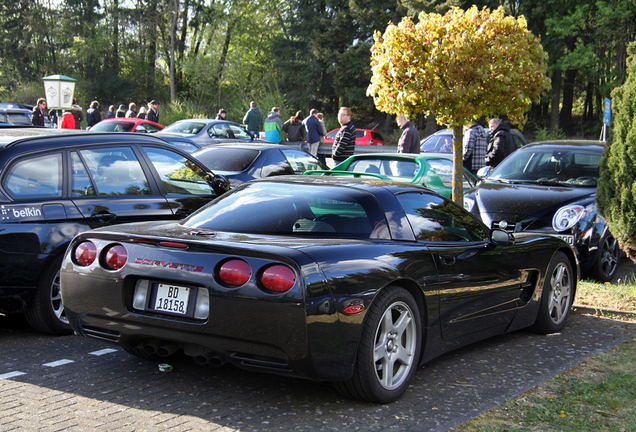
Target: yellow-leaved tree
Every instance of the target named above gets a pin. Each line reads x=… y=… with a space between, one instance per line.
x=460 y=66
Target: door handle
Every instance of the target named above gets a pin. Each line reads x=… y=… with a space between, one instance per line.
x=104 y=217
x=447 y=259
x=181 y=213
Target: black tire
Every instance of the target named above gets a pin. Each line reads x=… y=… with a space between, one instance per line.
x=391 y=339
x=46 y=311
x=604 y=269
x=557 y=296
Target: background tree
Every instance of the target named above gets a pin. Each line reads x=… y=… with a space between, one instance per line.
x=460 y=66
x=616 y=190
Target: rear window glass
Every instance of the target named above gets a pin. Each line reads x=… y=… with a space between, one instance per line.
x=294 y=210
x=116 y=126
x=188 y=127
x=227 y=158
x=389 y=168
x=35 y=177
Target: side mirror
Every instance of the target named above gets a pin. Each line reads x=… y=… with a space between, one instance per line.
x=220 y=184
x=484 y=172
x=501 y=238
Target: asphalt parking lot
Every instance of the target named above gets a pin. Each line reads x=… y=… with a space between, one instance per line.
x=75 y=384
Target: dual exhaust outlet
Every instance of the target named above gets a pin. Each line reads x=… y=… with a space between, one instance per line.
x=201 y=355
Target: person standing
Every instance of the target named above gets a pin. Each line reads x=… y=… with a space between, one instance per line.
x=344 y=144
x=314 y=131
x=121 y=111
x=221 y=115
x=253 y=120
x=92 y=114
x=111 y=112
x=37 y=117
x=294 y=128
x=153 y=111
x=500 y=142
x=321 y=118
x=68 y=120
x=77 y=112
x=142 y=113
x=132 y=110
x=273 y=125
x=410 y=140
x=53 y=118
x=475 y=145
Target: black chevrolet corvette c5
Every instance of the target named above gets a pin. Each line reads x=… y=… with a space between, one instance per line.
x=346 y=280
x=550 y=188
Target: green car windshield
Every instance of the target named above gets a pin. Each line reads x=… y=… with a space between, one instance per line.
x=396 y=169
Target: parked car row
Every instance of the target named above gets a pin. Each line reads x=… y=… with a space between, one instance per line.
x=162 y=243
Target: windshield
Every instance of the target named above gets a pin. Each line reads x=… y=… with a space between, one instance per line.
x=227 y=158
x=389 y=168
x=292 y=209
x=116 y=126
x=442 y=143
x=550 y=166
x=186 y=127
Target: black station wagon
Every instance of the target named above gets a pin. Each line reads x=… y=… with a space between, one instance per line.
x=54 y=187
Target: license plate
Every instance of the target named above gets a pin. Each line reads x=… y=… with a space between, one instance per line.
x=172 y=298
x=569 y=239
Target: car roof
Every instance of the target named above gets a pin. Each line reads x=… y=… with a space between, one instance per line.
x=18 y=144
x=567 y=143
x=251 y=146
x=367 y=184
x=389 y=156
x=16 y=110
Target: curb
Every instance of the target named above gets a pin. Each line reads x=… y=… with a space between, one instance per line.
x=601 y=311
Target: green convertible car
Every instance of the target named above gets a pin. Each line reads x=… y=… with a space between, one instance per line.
x=433 y=172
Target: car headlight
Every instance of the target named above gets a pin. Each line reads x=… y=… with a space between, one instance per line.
x=469 y=203
x=567 y=217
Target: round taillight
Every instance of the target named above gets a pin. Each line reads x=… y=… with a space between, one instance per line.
x=85 y=253
x=115 y=257
x=278 y=278
x=235 y=272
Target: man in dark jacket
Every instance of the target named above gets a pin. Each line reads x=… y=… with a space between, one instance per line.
x=153 y=113
x=37 y=117
x=410 y=140
x=500 y=142
x=314 y=131
x=76 y=110
x=92 y=114
x=344 y=144
x=253 y=120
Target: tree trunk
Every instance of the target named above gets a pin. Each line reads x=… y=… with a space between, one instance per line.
x=565 y=117
x=458 y=165
x=173 y=42
x=555 y=102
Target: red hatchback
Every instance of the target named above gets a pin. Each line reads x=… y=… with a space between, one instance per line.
x=126 y=125
x=363 y=137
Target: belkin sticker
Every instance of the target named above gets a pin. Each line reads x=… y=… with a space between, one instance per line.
x=18 y=213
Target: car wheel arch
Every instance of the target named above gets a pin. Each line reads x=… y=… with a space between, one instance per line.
x=416 y=291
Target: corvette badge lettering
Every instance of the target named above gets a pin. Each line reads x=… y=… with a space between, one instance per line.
x=168 y=264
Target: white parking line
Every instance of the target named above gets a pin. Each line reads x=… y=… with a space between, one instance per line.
x=58 y=363
x=11 y=375
x=102 y=352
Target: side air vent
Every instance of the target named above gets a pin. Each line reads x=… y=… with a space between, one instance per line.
x=261 y=362
x=99 y=333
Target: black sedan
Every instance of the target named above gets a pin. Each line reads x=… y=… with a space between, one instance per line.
x=205 y=132
x=346 y=280
x=550 y=188
x=244 y=162
x=56 y=185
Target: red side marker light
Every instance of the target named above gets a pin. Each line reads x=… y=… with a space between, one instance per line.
x=353 y=309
